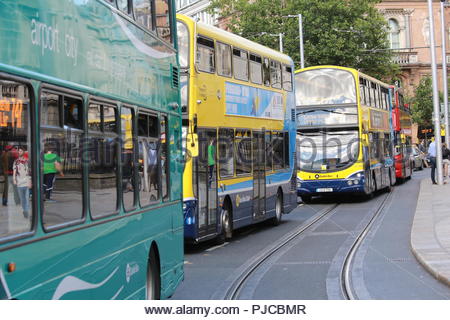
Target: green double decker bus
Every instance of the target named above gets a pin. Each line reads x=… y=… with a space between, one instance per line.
x=90 y=150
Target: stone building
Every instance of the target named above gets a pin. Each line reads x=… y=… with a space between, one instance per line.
x=409 y=37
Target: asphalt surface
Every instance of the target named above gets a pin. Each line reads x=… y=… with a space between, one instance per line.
x=308 y=267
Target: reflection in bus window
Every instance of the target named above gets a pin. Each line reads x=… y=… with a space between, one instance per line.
x=240 y=64
x=275 y=74
x=164 y=161
x=162 y=10
x=243 y=143
x=223 y=59
x=102 y=146
x=205 y=55
x=128 y=159
x=266 y=72
x=255 y=69
x=15 y=162
x=149 y=177
x=61 y=160
x=226 y=152
x=143 y=13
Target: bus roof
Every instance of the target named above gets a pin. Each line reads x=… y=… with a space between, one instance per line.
x=235 y=40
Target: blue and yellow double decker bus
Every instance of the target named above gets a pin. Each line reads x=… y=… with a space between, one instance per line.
x=344 y=132
x=89 y=96
x=238 y=109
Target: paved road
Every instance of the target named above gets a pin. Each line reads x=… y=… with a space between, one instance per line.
x=308 y=267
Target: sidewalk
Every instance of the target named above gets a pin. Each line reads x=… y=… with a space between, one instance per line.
x=430 y=234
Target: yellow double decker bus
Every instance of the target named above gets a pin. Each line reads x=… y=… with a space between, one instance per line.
x=344 y=132
x=238 y=107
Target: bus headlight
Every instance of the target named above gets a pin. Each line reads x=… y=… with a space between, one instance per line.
x=184 y=206
x=355 y=181
x=349 y=182
x=299 y=184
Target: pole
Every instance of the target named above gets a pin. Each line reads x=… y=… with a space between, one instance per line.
x=281 y=42
x=437 y=125
x=444 y=75
x=300 y=31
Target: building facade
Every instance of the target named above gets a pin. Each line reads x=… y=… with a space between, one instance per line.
x=409 y=38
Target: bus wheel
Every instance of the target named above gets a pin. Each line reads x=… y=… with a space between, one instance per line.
x=153 y=278
x=227 y=230
x=278 y=209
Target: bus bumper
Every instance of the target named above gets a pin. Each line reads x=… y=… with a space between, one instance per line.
x=323 y=187
x=190 y=219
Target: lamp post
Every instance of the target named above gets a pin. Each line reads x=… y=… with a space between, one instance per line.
x=300 y=32
x=279 y=35
x=437 y=126
x=444 y=75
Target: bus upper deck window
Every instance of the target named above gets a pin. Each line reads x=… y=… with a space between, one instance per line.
x=240 y=64
x=223 y=59
x=205 y=55
x=287 y=78
x=143 y=13
x=255 y=69
x=162 y=13
x=122 y=5
x=275 y=74
x=266 y=72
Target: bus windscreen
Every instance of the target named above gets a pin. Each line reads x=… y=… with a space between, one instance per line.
x=325 y=86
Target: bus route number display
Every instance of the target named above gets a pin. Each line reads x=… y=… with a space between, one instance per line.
x=11 y=113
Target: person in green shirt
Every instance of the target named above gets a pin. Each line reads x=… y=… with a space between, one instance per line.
x=52 y=165
x=211 y=160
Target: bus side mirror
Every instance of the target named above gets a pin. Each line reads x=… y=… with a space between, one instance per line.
x=192 y=144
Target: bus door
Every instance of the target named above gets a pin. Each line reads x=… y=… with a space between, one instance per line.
x=207 y=183
x=259 y=175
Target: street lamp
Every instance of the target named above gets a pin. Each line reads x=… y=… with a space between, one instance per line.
x=437 y=125
x=444 y=75
x=279 y=35
x=300 y=32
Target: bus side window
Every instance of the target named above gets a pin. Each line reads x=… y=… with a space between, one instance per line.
x=223 y=59
x=149 y=173
x=128 y=158
x=61 y=168
x=240 y=64
x=123 y=6
x=205 y=55
x=16 y=151
x=162 y=13
x=226 y=152
x=275 y=74
x=243 y=147
x=269 y=151
x=255 y=69
x=278 y=152
x=287 y=78
x=144 y=13
x=266 y=72
x=163 y=157
x=362 y=94
x=103 y=147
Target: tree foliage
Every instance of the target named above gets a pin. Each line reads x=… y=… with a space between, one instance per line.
x=348 y=33
x=422 y=103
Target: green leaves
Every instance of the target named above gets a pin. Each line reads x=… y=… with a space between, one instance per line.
x=422 y=105
x=348 y=33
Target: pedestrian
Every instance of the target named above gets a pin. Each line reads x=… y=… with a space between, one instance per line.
x=153 y=165
x=432 y=154
x=445 y=160
x=22 y=179
x=211 y=160
x=7 y=158
x=52 y=165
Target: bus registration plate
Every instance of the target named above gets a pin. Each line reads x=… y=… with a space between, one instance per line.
x=324 y=190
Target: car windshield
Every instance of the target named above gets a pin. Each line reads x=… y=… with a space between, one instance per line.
x=327 y=151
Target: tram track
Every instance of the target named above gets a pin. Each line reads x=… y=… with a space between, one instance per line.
x=345 y=276
x=236 y=286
